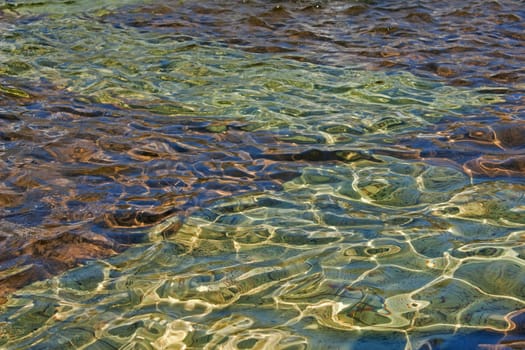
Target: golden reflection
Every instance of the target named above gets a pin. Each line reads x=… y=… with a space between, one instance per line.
x=292 y=176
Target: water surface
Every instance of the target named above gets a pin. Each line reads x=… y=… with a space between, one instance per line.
x=261 y=174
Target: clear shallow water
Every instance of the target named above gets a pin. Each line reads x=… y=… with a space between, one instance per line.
x=282 y=175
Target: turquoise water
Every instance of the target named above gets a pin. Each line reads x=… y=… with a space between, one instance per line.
x=266 y=175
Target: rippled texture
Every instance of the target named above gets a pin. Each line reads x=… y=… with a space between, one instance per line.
x=261 y=174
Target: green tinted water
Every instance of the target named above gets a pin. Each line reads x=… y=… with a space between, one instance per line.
x=292 y=204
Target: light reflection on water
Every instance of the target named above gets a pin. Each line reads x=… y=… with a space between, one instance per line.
x=282 y=175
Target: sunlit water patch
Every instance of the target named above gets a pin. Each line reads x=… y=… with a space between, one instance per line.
x=266 y=188
x=333 y=260
x=176 y=74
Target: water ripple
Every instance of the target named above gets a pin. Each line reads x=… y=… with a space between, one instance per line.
x=279 y=175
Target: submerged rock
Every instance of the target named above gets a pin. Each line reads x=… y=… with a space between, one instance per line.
x=497 y=166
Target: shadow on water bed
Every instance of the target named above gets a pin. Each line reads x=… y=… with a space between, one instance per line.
x=284 y=175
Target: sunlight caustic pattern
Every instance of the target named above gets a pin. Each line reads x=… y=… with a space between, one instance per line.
x=271 y=183
x=342 y=251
